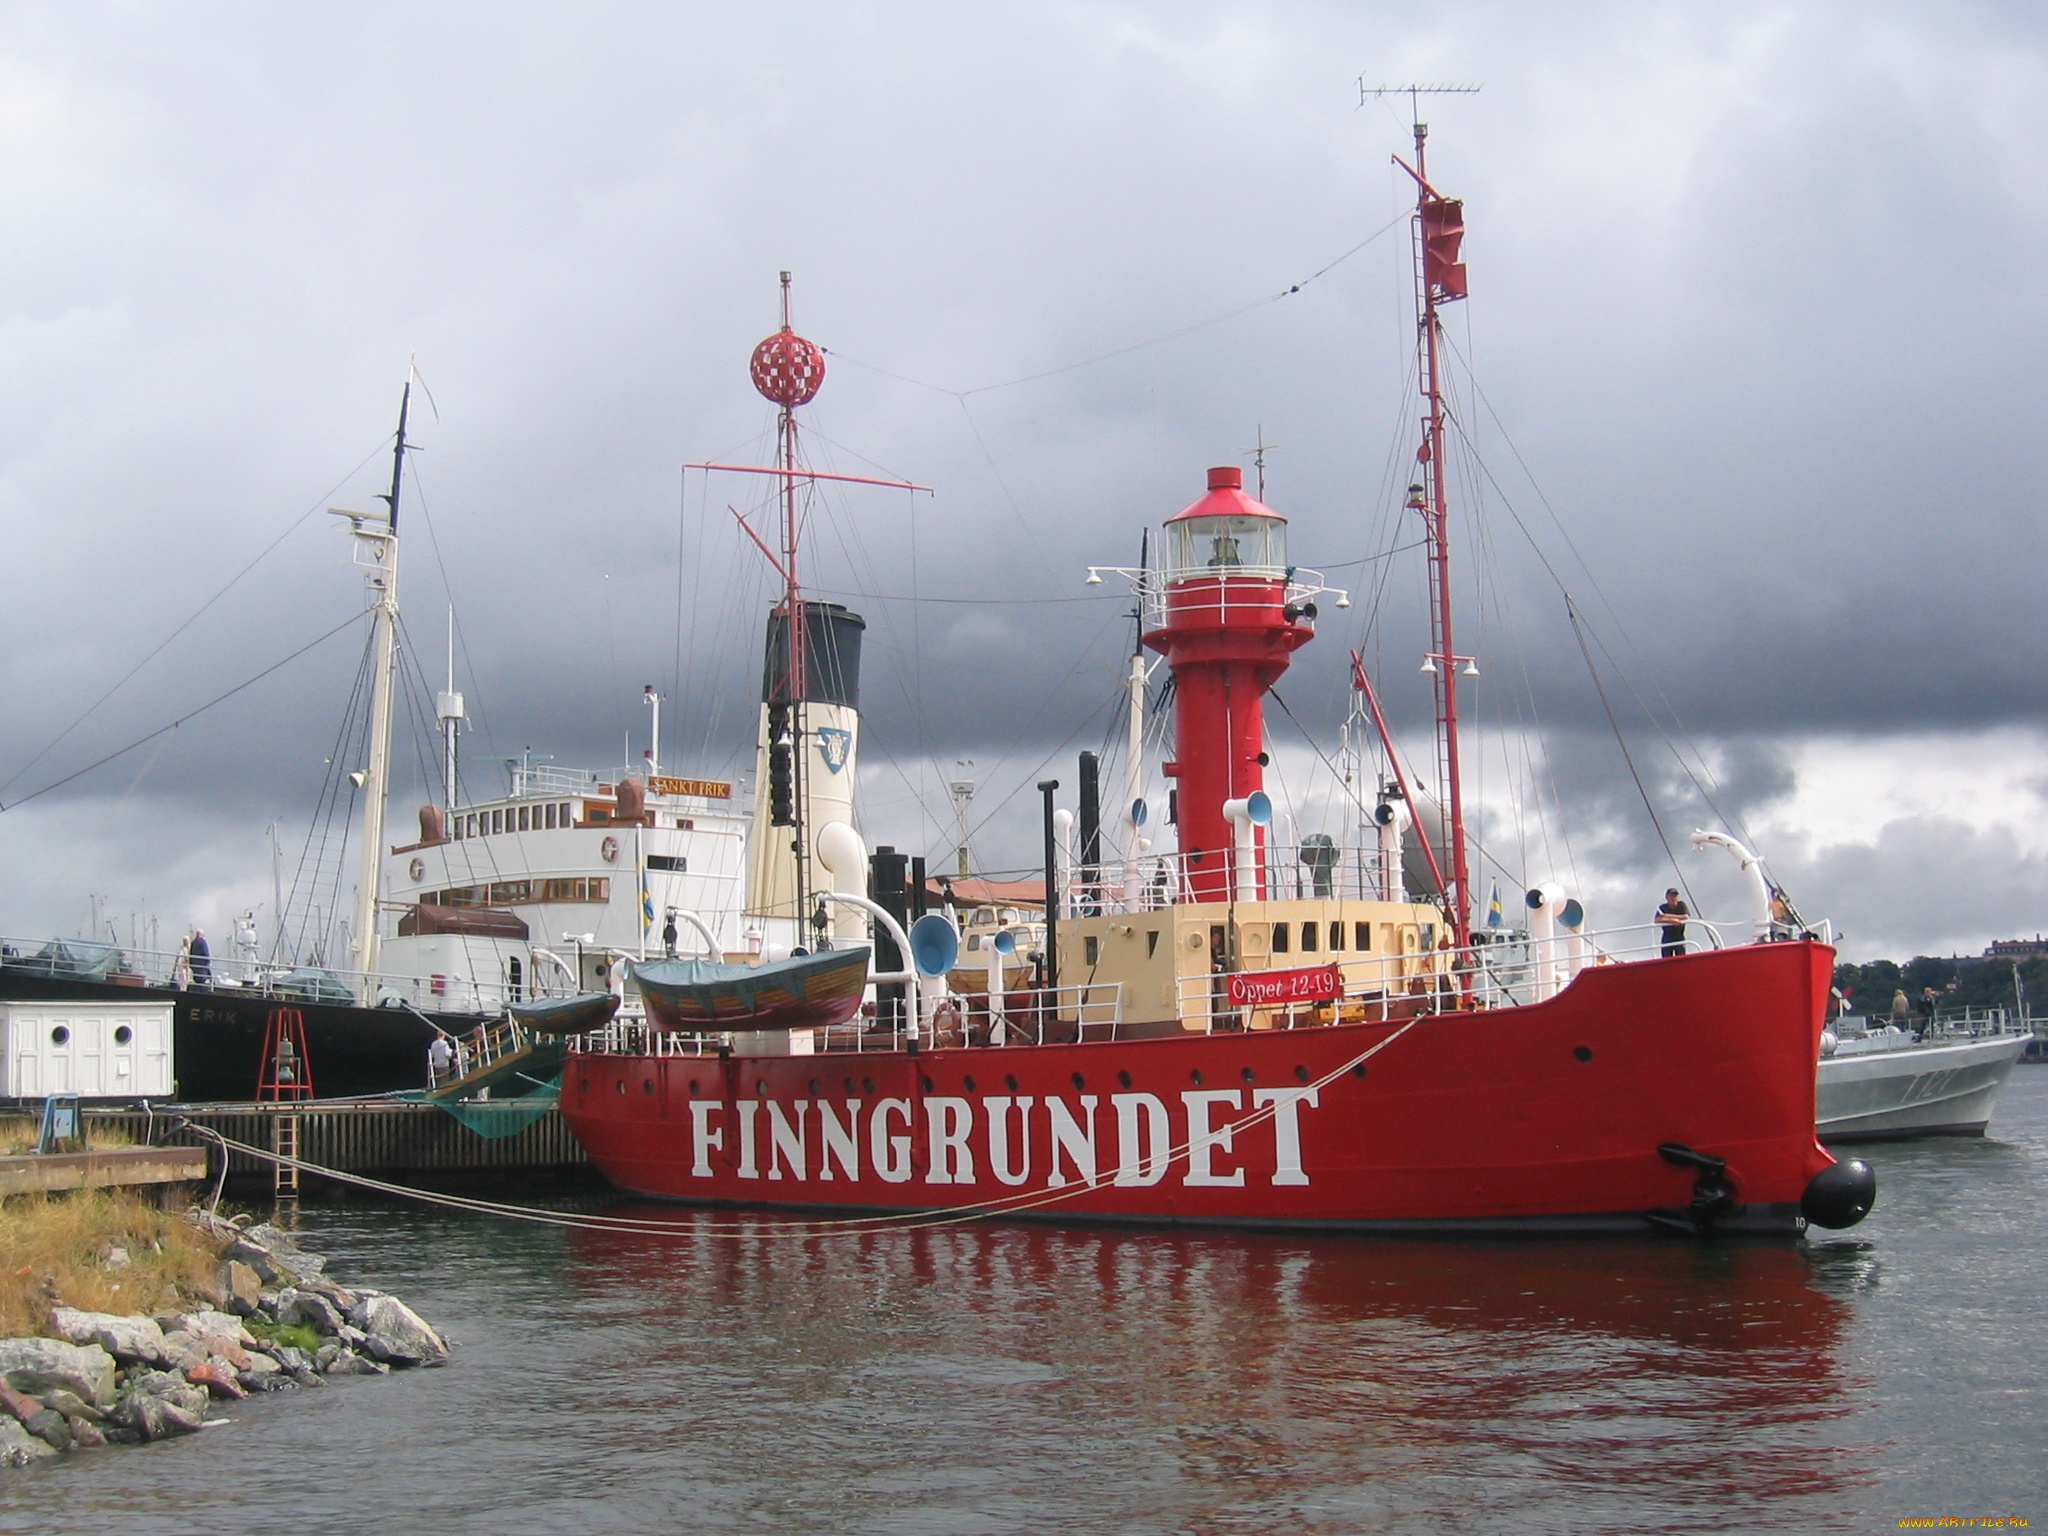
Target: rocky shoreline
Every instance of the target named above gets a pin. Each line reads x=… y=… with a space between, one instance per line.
x=277 y=1324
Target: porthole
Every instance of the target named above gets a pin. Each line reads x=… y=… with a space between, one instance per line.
x=1123 y=1079
x=695 y=1087
x=849 y=1085
x=123 y=1034
x=761 y=1088
x=814 y=1088
x=1582 y=1053
x=583 y=1085
x=1010 y=1082
x=867 y=1085
x=1195 y=1077
x=1080 y=1082
x=60 y=1035
x=620 y=1085
x=969 y=1083
x=1249 y=1075
x=1359 y=1070
x=1301 y=1074
x=925 y=1084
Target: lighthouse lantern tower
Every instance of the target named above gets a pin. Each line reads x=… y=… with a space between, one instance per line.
x=1228 y=625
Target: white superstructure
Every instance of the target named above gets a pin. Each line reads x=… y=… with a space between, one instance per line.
x=545 y=887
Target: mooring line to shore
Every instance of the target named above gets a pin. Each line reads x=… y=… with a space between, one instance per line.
x=801 y=1231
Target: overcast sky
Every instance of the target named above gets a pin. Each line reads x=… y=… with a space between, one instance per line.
x=1751 y=368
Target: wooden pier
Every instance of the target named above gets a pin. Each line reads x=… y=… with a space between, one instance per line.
x=399 y=1142
x=168 y=1169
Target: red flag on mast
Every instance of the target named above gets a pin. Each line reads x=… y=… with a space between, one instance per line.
x=1443 y=232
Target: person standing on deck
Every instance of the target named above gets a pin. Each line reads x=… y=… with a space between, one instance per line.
x=202 y=959
x=1671 y=923
x=440 y=1057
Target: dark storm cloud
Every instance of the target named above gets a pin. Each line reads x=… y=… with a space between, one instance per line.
x=1756 y=293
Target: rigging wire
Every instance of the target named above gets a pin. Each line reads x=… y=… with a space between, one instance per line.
x=1136 y=346
x=226 y=587
x=191 y=714
x=1571 y=612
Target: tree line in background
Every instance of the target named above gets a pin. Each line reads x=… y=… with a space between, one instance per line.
x=1959 y=983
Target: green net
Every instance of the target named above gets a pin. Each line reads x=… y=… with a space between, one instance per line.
x=494 y=1119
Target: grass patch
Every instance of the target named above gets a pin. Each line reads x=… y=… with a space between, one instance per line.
x=19 y=1133
x=54 y=1252
x=298 y=1335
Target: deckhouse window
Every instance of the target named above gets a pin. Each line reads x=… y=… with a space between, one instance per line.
x=1361 y=935
x=522 y=819
x=1280 y=938
x=1336 y=935
x=1308 y=938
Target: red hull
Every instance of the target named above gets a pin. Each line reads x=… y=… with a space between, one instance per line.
x=1535 y=1118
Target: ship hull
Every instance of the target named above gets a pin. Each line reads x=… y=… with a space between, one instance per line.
x=1546 y=1118
x=1927 y=1090
x=217 y=1037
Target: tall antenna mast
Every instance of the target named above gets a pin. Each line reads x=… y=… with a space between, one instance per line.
x=1439 y=231
x=377 y=548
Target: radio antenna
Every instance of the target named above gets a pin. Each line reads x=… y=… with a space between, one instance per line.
x=1414 y=92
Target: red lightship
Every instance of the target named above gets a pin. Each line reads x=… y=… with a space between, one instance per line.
x=1199 y=1047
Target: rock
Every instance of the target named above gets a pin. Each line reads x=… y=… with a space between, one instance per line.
x=241 y=1287
x=158 y=1418
x=18 y=1405
x=117 y=1257
x=311 y=1309
x=397 y=1334
x=272 y=1381
x=217 y=1377
x=43 y=1365
x=125 y=1338
x=121 y=1434
x=352 y=1336
x=18 y=1447
x=294 y=1263
x=201 y=1347
x=174 y=1389
x=307 y=1378
x=339 y=1360
x=72 y=1406
x=85 y=1433
x=220 y=1324
x=292 y=1359
x=49 y=1425
x=259 y=1364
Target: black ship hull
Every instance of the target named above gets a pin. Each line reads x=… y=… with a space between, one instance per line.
x=217 y=1036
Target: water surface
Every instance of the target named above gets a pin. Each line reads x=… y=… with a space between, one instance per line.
x=1019 y=1379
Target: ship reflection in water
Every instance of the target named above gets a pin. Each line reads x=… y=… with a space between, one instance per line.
x=1026 y=1378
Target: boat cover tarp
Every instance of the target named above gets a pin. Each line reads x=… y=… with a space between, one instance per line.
x=495 y=1119
x=308 y=984
x=75 y=960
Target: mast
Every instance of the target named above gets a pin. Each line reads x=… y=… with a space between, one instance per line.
x=382 y=545
x=1440 y=280
x=794 y=618
x=449 y=711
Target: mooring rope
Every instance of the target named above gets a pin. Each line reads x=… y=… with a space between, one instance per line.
x=842 y=1226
